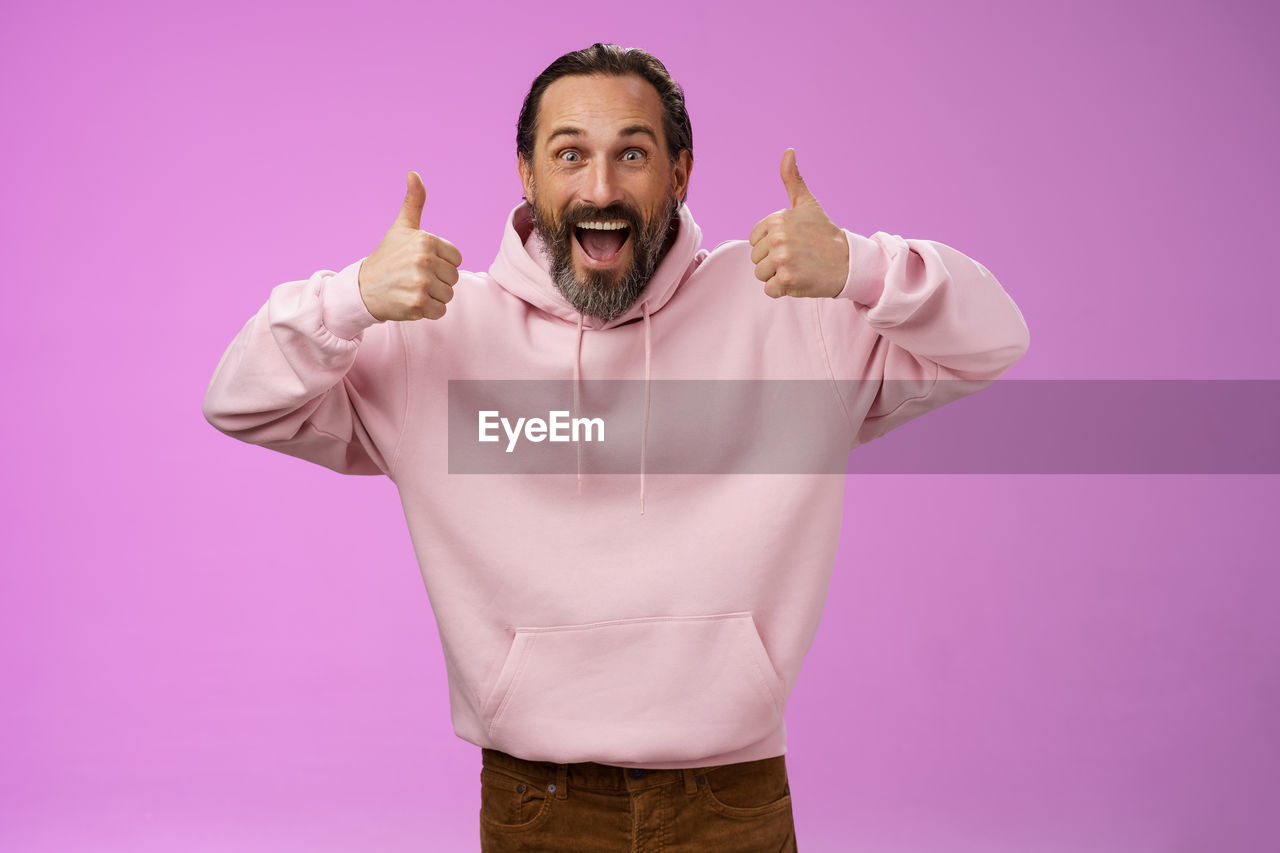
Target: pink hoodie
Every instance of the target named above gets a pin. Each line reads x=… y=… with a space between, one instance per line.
x=640 y=619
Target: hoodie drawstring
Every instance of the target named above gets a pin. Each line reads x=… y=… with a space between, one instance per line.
x=577 y=401
x=644 y=428
x=648 y=373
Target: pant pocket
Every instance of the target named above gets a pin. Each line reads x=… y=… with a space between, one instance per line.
x=512 y=804
x=750 y=790
x=635 y=690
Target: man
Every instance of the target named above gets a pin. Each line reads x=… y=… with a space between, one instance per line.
x=620 y=645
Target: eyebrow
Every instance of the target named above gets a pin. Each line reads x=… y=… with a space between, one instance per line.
x=632 y=130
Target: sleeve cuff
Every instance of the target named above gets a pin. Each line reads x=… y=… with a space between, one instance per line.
x=343 y=308
x=868 y=266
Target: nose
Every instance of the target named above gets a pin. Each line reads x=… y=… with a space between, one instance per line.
x=601 y=186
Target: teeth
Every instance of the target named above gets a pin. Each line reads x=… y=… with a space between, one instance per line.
x=603 y=226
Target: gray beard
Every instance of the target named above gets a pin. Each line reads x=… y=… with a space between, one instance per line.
x=601 y=294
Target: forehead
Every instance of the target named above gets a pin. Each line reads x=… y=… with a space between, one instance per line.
x=599 y=104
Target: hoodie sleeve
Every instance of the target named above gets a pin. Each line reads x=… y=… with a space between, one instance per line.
x=917 y=325
x=313 y=374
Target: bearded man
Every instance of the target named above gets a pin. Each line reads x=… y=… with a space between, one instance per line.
x=620 y=647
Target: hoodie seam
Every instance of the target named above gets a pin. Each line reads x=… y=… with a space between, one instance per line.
x=350 y=344
x=831 y=375
x=404 y=417
x=936 y=374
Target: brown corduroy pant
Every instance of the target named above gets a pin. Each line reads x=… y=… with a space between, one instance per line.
x=599 y=808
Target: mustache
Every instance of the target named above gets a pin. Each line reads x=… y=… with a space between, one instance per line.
x=581 y=212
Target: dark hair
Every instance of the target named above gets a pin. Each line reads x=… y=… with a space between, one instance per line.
x=609 y=59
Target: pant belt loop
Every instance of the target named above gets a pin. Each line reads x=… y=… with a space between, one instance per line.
x=690 y=781
x=562 y=781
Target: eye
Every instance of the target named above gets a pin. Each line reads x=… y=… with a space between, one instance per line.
x=570 y=156
x=633 y=154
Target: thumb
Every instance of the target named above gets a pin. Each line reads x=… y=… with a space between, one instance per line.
x=415 y=197
x=797 y=191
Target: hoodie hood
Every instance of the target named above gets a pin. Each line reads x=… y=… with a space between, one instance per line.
x=522 y=270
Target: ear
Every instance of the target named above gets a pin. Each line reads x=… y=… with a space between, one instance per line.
x=680 y=174
x=526 y=176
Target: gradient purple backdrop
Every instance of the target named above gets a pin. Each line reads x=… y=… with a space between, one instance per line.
x=206 y=646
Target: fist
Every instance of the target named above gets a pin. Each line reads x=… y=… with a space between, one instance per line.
x=799 y=251
x=412 y=273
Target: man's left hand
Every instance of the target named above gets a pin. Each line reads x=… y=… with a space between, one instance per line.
x=799 y=251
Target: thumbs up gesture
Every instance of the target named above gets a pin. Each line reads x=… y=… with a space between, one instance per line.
x=412 y=273
x=799 y=251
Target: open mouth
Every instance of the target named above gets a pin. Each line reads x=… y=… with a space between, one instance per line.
x=602 y=240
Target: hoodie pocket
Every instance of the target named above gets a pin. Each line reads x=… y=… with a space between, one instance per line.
x=635 y=690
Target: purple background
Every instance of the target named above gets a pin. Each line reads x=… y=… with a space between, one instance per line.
x=206 y=646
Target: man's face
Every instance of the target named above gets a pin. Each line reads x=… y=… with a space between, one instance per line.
x=602 y=188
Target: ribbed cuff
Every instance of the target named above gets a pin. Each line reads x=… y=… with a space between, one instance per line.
x=868 y=266
x=342 y=307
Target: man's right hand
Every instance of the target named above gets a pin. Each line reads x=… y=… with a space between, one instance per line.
x=412 y=273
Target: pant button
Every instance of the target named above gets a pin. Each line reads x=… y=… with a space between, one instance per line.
x=635 y=773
